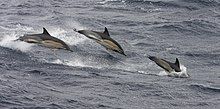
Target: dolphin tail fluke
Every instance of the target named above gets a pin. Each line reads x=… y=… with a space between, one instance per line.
x=177 y=62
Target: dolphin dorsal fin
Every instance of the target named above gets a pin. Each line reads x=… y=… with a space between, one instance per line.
x=177 y=62
x=45 y=32
x=106 y=32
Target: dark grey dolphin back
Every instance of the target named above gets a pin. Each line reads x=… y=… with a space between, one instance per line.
x=46 y=36
x=103 y=35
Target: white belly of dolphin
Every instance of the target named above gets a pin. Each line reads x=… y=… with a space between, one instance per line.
x=31 y=41
x=94 y=36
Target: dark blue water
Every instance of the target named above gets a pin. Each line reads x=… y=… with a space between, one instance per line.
x=32 y=76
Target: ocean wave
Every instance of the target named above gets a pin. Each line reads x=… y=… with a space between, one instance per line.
x=203 y=2
x=205 y=89
x=25 y=4
x=209 y=59
x=134 y=86
x=203 y=55
x=174 y=28
x=36 y=72
x=200 y=28
x=145 y=5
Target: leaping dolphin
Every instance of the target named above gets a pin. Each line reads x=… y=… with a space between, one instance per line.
x=104 y=39
x=45 y=39
x=166 y=65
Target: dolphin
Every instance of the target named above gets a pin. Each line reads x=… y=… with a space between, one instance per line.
x=104 y=39
x=46 y=40
x=166 y=65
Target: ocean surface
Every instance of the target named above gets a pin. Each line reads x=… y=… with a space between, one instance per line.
x=35 y=77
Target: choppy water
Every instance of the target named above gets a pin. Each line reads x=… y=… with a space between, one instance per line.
x=89 y=78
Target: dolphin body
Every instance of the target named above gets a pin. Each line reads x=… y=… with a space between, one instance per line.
x=104 y=39
x=166 y=65
x=46 y=40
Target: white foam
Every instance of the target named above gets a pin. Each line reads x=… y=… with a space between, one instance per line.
x=76 y=62
x=17 y=27
x=57 y=61
x=182 y=74
x=8 y=41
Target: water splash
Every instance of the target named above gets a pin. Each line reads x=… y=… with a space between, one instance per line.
x=182 y=74
x=76 y=63
x=17 y=27
x=9 y=41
